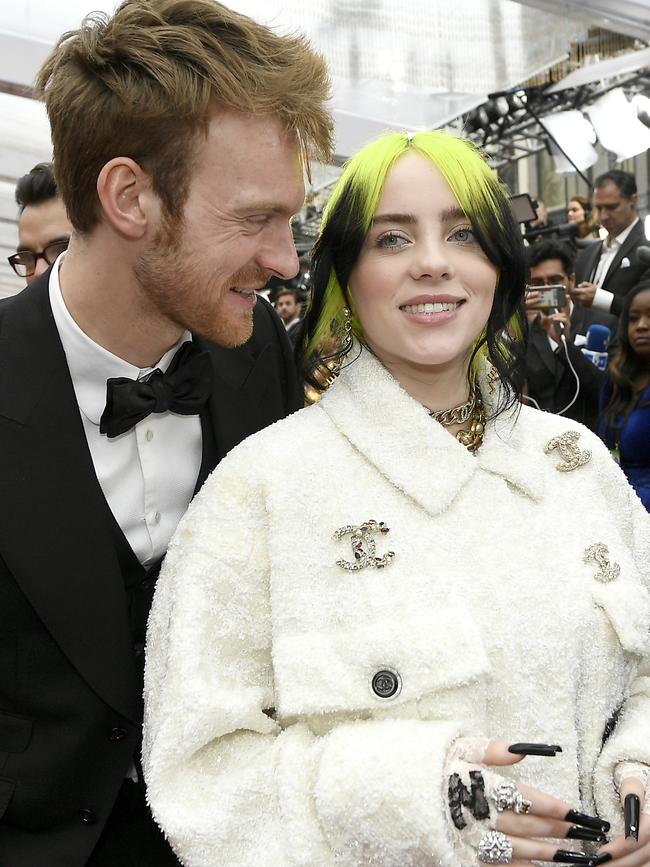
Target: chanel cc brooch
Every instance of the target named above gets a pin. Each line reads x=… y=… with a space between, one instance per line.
x=364 y=547
x=599 y=554
x=571 y=456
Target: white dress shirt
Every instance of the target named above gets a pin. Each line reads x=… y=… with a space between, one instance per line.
x=610 y=247
x=147 y=474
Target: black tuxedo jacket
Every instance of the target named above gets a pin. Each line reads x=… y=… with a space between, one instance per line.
x=70 y=694
x=550 y=380
x=617 y=280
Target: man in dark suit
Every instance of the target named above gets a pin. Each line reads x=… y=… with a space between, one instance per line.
x=550 y=359
x=607 y=270
x=133 y=365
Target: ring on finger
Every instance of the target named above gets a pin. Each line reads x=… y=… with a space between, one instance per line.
x=495 y=848
x=507 y=796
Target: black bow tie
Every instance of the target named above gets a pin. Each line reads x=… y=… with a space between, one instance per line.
x=184 y=388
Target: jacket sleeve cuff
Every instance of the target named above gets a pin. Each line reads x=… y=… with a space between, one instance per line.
x=380 y=793
x=630 y=742
x=603 y=300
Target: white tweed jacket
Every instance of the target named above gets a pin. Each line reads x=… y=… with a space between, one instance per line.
x=266 y=741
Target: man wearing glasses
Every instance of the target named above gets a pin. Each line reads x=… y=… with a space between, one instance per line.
x=43 y=226
x=556 y=369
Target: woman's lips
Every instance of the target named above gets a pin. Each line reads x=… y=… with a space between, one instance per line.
x=431 y=309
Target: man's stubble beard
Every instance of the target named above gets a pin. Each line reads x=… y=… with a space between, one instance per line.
x=175 y=283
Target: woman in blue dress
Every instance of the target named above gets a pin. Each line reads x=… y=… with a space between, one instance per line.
x=625 y=400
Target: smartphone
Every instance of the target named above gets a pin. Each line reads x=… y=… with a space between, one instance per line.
x=551 y=296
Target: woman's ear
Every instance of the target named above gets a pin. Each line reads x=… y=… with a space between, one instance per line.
x=127 y=198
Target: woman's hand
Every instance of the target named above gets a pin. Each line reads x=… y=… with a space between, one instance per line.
x=630 y=852
x=546 y=817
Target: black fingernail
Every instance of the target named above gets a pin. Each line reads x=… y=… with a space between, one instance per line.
x=564 y=857
x=587 y=821
x=578 y=833
x=632 y=811
x=534 y=749
x=601 y=859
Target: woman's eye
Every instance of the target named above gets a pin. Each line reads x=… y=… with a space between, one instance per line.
x=391 y=241
x=464 y=235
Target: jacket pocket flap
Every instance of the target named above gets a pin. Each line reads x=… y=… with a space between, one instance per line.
x=329 y=672
x=627 y=606
x=15 y=732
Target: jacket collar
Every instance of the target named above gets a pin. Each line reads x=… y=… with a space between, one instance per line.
x=416 y=454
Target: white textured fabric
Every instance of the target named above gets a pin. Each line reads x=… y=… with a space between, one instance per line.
x=264 y=743
x=133 y=469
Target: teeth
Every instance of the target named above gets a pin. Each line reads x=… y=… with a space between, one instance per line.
x=438 y=307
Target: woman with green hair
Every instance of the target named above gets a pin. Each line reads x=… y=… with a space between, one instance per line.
x=376 y=638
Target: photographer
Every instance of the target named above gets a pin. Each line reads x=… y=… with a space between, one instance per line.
x=560 y=379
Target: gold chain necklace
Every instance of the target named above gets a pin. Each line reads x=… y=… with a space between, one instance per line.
x=472 y=409
x=457 y=414
x=473 y=437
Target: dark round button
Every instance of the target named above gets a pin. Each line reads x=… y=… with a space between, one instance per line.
x=386 y=683
x=87 y=816
x=146 y=584
x=138 y=650
x=117 y=734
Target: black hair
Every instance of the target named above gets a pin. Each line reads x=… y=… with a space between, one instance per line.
x=36 y=187
x=543 y=250
x=625 y=181
x=625 y=369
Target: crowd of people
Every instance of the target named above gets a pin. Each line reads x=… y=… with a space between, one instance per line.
x=406 y=625
x=581 y=360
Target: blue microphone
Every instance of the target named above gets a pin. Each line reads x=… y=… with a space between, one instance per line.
x=598 y=337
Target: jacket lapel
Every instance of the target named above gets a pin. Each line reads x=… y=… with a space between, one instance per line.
x=632 y=240
x=592 y=259
x=241 y=402
x=417 y=455
x=54 y=531
x=538 y=342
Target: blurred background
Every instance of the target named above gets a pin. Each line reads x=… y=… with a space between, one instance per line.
x=555 y=91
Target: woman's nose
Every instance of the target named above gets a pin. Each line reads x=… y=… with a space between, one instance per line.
x=432 y=260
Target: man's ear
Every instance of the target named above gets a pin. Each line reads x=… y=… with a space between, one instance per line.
x=634 y=198
x=127 y=198
x=572 y=280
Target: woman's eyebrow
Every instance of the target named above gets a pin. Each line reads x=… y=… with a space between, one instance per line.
x=394 y=218
x=454 y=213
x=446 y=216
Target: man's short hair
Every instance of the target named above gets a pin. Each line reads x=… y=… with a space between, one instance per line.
x=144 y=83
x=625 y=181
x=36 y=187
x=287 y=290
x=543 y=250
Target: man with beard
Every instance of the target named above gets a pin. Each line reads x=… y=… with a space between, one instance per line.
x=181 y=134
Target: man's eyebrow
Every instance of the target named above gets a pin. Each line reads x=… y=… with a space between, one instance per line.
x=59 y=240
x=267 y=208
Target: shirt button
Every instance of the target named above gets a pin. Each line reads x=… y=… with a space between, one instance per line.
x=117 y=734
x=87 y=816
x=386 y=683
x=149 y=435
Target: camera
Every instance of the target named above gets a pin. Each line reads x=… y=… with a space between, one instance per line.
x=551 y=297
